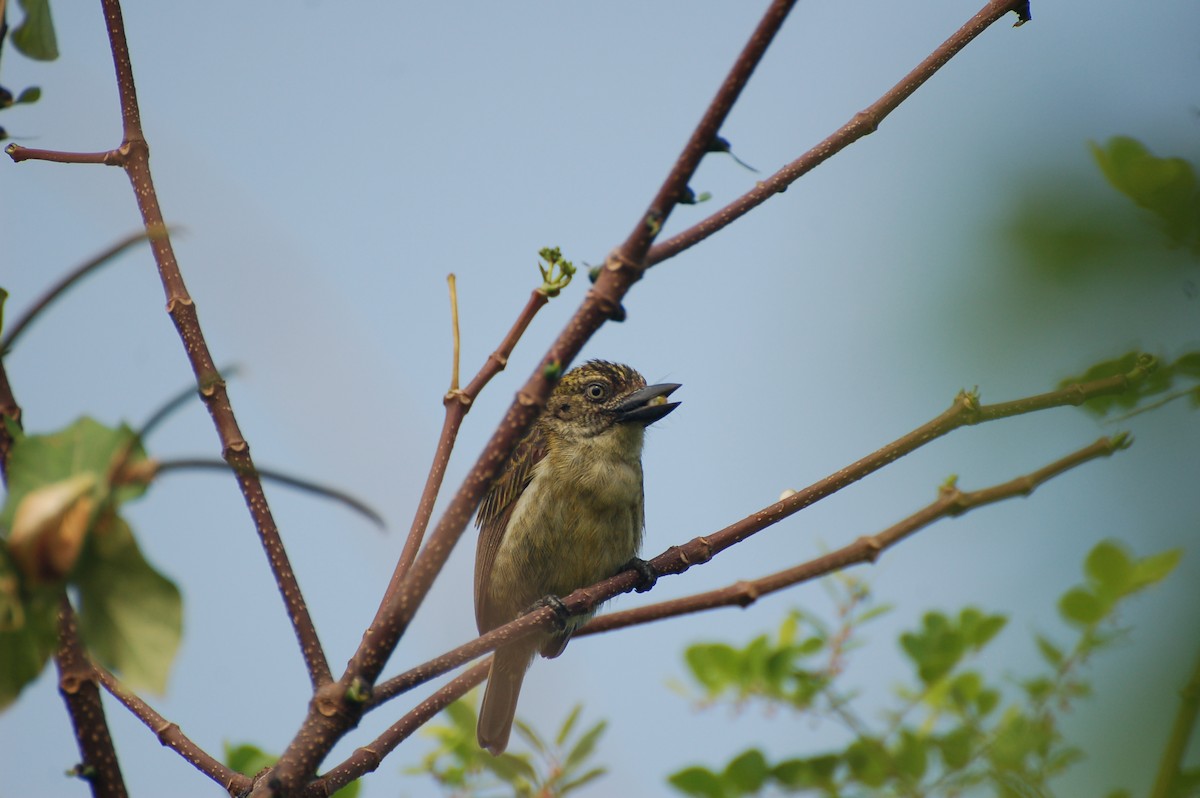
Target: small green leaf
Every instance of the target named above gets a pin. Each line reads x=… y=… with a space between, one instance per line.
x=568 y=725
x=1109 y=566
x=1050 y=652
x=586 y=778
x=747 y=771
x=1081 y=607
x=956 y=748
x=29 y=95
x=1155 y=568
x=912 y=755
x=697 y=781
x=586 y=745
x=529 y=736
x=248 y=759
x=34 y=37
x=868 y=762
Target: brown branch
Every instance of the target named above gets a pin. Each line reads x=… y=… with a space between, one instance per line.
x=170 y=735
x=860 y=125
x=70 y=279
x=950 y=502
x=965 y=410
x=77 y=686
x=108 y=158
x=367 y=758
x=135 y=158
x=337 y=708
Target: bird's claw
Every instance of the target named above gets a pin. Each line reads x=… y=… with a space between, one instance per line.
x=647 y=576
x=561 y=613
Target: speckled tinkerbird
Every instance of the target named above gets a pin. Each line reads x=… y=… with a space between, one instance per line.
x=566 y=511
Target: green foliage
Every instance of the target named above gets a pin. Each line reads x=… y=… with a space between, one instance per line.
x=34 y=37
x=556 y=273
x=550 y=770
x=60 y=526
x=1166 y=187
x=249 y=759
x=1167 y=380
x=951 y=731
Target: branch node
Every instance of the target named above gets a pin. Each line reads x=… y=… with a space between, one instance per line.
x=871 y=548
x=747 y=593
x=163 y=732
x=525 y=400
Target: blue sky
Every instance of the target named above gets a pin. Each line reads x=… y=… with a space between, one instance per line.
x=329 y=164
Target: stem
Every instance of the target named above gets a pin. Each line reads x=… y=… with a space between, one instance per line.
x=77 y=686
x=1181 y=731
x=170 y=735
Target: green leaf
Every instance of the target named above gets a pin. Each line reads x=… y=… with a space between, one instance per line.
x=697 y=781
x=130 y=615
x=1081 y=607
x=87 y=447
x=28 y=96
x=586 y=778
x=747 y=772
x=586 y=745
x=714 y=665
x=530 y=736
x=461 y=715
x=912 y=755
x=1110 y=567
x=1155 y=568
x=868 y=762
x=34 y=37
x=248 y=759
x=1050 y=652
x=568 y=725
x=1166 y=187
x=27 y=641
x=956 y=748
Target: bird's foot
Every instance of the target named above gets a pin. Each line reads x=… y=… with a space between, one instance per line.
x=647 y=576
x=561 y=613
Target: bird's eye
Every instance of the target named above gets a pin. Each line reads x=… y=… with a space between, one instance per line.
x=596 y=391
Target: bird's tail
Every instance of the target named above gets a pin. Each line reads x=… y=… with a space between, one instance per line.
x=500 y=697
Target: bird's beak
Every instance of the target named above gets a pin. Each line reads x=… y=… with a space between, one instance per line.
x=648 y=404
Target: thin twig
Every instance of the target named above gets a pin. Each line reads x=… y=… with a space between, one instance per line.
x=305 y=485
x=108 y=158
x=454 y=326
x=367 y=758
x=77 y=685
x=170 y=735
x=73 y=277
x=950 y=502
x=860 y=125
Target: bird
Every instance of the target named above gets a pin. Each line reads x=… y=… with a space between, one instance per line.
x=566 y=511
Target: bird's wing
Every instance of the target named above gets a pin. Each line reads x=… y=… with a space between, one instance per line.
x=492 y=520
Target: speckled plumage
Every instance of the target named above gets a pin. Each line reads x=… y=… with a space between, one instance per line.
x=567 y=511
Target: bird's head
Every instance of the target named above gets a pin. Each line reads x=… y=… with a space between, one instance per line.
x=599 y=396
